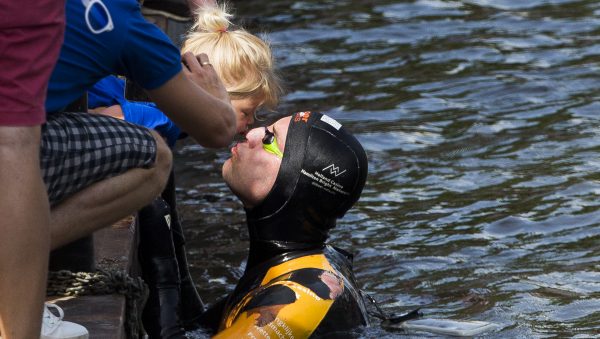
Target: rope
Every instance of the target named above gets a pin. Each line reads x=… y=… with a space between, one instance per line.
x=67 y=283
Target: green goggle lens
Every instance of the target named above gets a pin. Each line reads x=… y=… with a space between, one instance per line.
x=270 y=144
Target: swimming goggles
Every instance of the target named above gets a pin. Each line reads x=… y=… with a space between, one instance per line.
x=269 y=142
x=101 y=16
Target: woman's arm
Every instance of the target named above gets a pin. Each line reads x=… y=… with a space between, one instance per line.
x=196 y=100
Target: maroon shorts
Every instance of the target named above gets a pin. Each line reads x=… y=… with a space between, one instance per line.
x=31 y=34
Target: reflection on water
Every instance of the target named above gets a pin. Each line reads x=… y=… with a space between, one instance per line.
x=480 y=119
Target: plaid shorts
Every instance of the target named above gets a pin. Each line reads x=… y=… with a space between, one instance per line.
x=79 y=149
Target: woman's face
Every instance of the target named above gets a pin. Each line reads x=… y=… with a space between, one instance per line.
x=245 y=109
x=251 y=171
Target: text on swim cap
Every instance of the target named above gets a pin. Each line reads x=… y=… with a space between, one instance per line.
x=324 y=183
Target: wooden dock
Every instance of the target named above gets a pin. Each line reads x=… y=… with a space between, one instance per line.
x=104 y=315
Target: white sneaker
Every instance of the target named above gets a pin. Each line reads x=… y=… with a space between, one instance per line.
x=53 y=327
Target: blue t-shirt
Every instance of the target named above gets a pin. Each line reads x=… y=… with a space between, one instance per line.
x=111 y=91
x=134 y=48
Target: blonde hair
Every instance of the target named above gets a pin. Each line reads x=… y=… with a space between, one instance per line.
x=243 y=61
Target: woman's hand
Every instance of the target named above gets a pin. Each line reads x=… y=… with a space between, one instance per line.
x=201 y=72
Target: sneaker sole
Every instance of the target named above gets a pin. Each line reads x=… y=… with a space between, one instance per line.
x=83 y=336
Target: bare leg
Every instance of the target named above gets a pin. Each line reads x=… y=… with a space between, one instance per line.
x=110 y=200
x=24 y=240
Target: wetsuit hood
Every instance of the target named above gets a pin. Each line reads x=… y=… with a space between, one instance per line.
x=322 y=175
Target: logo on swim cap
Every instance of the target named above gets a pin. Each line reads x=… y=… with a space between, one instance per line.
x=302 y=116
x=333 y=170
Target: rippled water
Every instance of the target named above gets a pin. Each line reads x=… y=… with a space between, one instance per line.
x=480 y=119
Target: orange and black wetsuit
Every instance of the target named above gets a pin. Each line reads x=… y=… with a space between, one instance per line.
x=296 y=286
x=300 y=295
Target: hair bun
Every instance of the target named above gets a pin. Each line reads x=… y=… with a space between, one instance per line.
x=212 y=19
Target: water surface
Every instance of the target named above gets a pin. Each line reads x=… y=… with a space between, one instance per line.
x=480 y=119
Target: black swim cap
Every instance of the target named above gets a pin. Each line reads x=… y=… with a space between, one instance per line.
x=322 y=175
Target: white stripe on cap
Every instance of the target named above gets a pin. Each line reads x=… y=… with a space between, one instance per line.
x=331 y=121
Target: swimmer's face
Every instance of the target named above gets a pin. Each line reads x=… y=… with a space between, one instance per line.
x=251 y=171
x=245 y=109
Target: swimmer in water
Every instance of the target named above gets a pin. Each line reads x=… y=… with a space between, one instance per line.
x=295 y=179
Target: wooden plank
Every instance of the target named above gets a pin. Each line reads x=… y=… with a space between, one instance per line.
x=114 y=245
x=104 y=315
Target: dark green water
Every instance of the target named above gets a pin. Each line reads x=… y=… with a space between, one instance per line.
x=480 y=119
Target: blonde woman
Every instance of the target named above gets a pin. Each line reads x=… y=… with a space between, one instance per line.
x=243 y=61
x=245 y=65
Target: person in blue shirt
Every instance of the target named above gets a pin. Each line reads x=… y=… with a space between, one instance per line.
x=98 y=169
x=112 y=37
x=245 y=64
